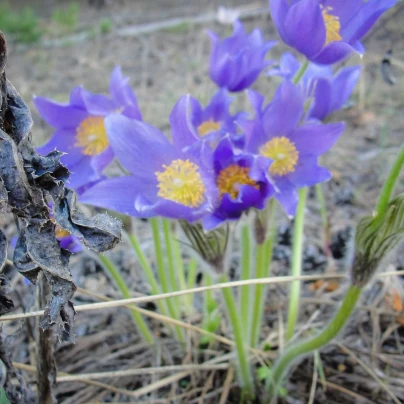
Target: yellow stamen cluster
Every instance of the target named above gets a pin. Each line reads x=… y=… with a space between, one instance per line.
x=61 y=233
x=181 y=182
x=332 y=26
x=231 y=178
x=92 y=136
x=208 y=127
x=283 y=153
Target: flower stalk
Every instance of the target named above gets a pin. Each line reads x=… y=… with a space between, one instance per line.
x=173 y=284
x=245 y=274
x=387 y=190
x=186 y=300
x=264 y=258
x=151 y=279
x=161 y=270
x=297 y=255
x=243 y=364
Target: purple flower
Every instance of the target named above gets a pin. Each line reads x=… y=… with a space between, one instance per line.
x=80 y=130
x=164 y=180
x=291 y=149
x=237 y=61
x=327 y=93
x=326 y=31
x=241 y=181
x=68 y=241
x=198 y=124
x=331 y=93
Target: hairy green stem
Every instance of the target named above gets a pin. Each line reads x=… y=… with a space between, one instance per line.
x=151 y=279
x=186 y=299
x=161 y=271
x=207 y=281
x=192 y=267
x=324 y=216
x=120 y=282
x=259 y=273
x=294 y=351
x=297 y=241
x=299 y=74
x=388 y=187
x=297 y=254
x=245 y=275
x=173 y=286
x=264 y=258
x=323 y=206
x=243 y=364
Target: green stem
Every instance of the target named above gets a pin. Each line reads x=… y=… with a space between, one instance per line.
x=259 y=273
x=294 y=351
x=244 y=369
x=192 y=266
x=207 y=281
x=245 y=275
x=297 y=254
x=324 y=216
x=170 y=259
x=323 y=206
x=388 y=187
x=151 y=279
x=186 y=299
x=162 y=275
x=264 y=258
x=300 y=72
x=116 y=276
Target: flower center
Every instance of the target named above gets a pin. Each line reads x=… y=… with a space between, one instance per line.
x=92 y=136
x=181 y=182
x=231 y=178
x=283 y=153
x=208 y=127
x=332 y=26
x=61 y=233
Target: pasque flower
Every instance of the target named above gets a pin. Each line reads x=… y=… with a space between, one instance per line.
x=241 y=181
x=68 y=241
x=80 y=129
x=164 y=180
x=237 y=61
x=198 y=124
x=327 y=92
x=291 y=148
x=326 y=31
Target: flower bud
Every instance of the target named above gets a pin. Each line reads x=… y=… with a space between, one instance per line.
x=376 y=236
x=211 y=246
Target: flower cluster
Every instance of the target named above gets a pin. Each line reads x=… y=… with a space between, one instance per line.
x=219 y=165
x=80 y=129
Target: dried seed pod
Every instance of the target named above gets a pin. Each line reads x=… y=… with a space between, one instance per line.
x=27 y=181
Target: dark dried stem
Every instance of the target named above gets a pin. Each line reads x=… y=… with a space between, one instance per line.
x=46 y=364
